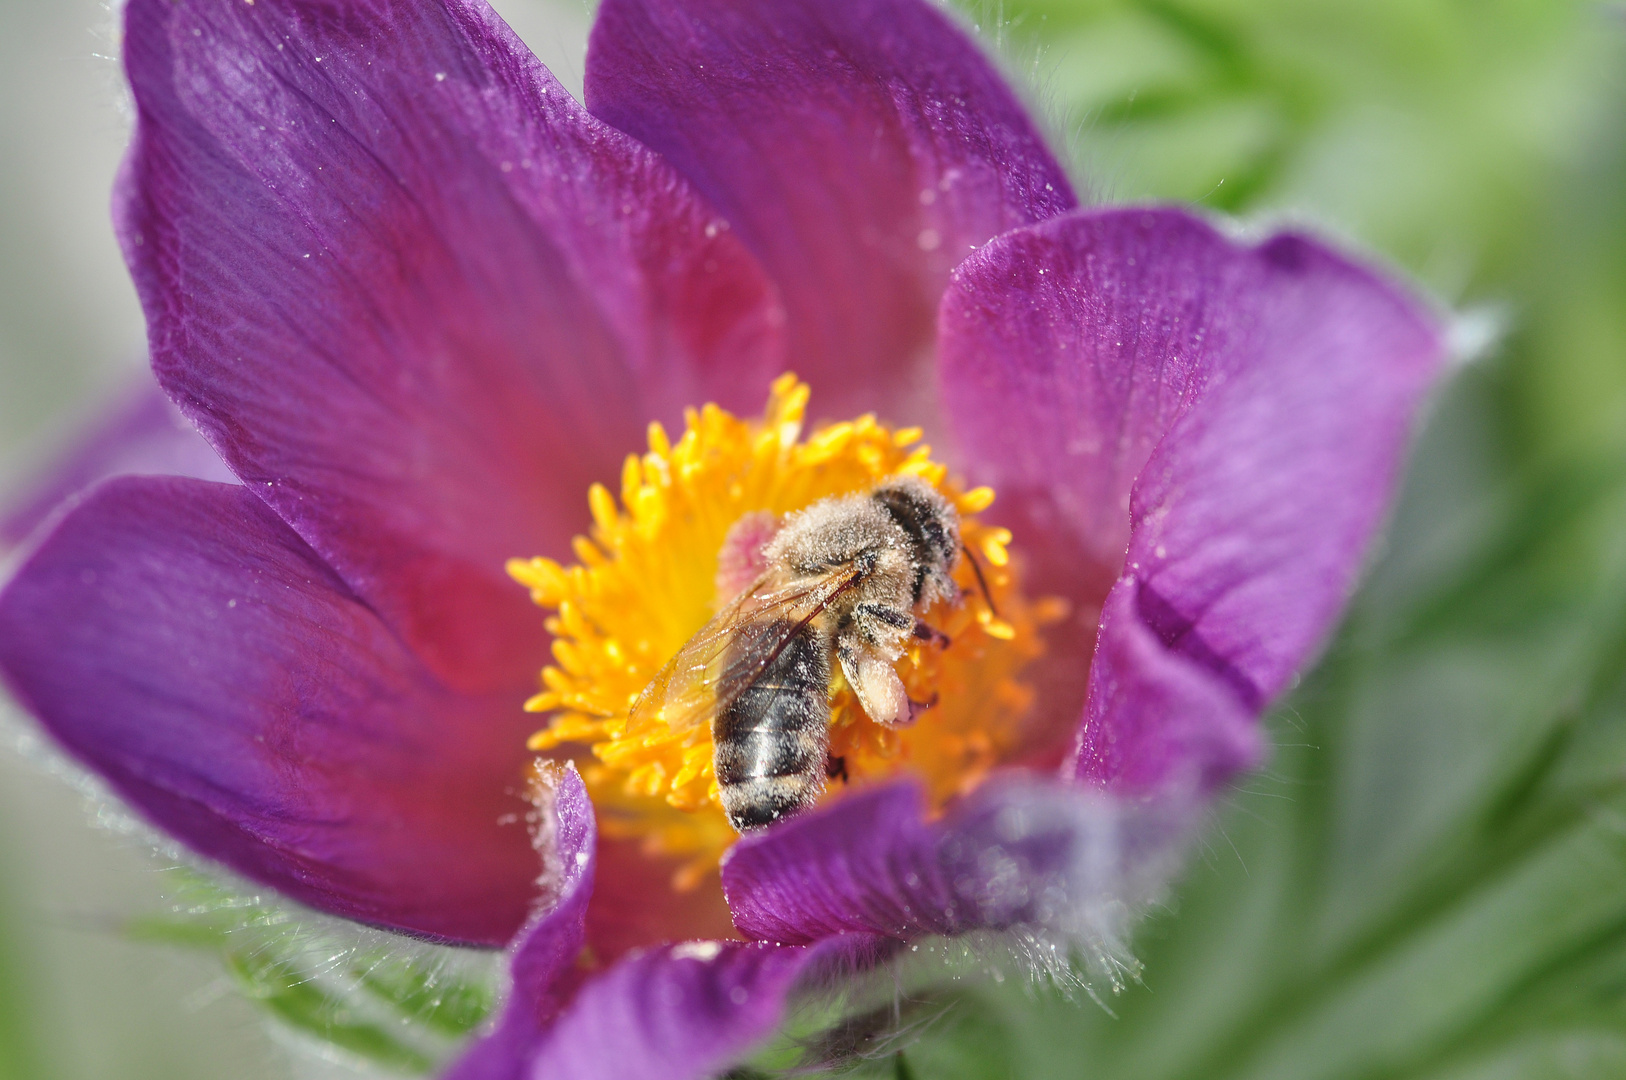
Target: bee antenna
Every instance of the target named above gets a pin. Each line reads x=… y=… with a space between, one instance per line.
x=982 y=582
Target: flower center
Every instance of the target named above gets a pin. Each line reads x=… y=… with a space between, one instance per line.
x=687 y=537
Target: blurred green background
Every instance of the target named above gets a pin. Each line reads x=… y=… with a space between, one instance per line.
x=1429 y=880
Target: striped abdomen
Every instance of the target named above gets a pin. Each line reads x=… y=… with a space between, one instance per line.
x=772 y=741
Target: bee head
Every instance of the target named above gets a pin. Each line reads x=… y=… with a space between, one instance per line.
x=933 y=528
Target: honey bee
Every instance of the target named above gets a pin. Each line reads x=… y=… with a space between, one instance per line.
x=844 y=579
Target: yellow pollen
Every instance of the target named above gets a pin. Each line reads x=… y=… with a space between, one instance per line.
x=645 y=582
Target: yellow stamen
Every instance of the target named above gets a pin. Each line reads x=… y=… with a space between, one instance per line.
x=645 y=582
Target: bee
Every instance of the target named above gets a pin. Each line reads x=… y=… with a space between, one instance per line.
x=843 y=582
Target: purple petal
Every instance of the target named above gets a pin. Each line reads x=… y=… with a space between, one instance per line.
x=140 y=432
x=867 y=863
x=670 y=1013
x=682 y=1012
x=1042 y=854
x=543 y=970
x=1172 y=723
x=860 y=147
x=1235 y=415
x=180 y=640
x=416 y=296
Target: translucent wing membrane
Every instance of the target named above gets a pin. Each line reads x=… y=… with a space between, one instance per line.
x=716 y=665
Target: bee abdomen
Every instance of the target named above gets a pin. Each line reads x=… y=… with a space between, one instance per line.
x=772 y=741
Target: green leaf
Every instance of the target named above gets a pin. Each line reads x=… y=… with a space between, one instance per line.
x=20 y=1053
x=373 y=997
x=450 y=1005
x=876 y=1031
x=1426 y=127
x=297 y=999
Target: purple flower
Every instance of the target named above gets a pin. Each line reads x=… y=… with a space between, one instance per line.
x=418 y=299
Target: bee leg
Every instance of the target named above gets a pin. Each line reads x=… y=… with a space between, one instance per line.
x=932 y=634
x=884 y=615
x=835 y=768
x=918 y=707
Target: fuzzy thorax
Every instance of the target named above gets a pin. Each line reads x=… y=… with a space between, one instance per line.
x=657 y=566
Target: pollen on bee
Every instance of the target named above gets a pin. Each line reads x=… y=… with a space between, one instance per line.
x=658 y=563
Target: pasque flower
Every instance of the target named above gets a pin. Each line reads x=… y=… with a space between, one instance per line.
x=419 y=300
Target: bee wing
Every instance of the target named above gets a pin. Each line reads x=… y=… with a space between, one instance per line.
x=696 y=683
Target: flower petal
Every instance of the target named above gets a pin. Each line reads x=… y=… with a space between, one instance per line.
x=1018 y=852
x=1235 y=415
x=860 y=147
x=1155 y=719
x=870 y=862
x=543 y=972
x=138 y=433
x=180 y=640
x=416 y=296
